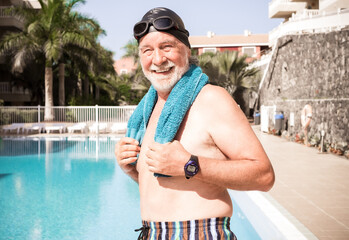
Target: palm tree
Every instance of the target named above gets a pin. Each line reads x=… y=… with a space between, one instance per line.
x=102 y=71
x=86 y=30
x=209 y=65
x=46 y=32
x=235 y=69
x=131 y=49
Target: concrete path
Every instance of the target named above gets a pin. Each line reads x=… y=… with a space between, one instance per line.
x=311 y=186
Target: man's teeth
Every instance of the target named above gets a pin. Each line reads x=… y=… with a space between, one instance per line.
x=160 y=71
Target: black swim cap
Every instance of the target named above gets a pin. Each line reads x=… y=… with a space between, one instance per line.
x=179 y=31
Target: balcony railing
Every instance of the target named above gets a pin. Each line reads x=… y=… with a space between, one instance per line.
x=310 y=21
x=305 y=14
x=6 y=88
x=4 y=13
x=10 y=19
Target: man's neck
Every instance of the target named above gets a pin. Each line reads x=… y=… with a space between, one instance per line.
x=162 y=96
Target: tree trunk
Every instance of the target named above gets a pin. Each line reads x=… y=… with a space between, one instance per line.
x=86 y=88
x=97 y=93
x=79 y=85
x=61 y=84
x=49 y=114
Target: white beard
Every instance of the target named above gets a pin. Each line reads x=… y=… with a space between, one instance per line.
x=164 y=84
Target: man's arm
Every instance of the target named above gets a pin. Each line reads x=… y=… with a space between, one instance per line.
x=246 y=166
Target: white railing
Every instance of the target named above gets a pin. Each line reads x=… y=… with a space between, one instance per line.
x=71 y=114
x=310 y=21
x=304 y=14
x=264 y=60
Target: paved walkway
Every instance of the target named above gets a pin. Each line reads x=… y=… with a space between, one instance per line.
x=311 y=186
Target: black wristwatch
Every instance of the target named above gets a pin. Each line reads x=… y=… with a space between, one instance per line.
x=191 y=168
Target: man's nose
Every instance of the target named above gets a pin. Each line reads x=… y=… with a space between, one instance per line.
x=158 y=57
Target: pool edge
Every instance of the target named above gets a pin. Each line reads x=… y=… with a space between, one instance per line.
x=271 y=213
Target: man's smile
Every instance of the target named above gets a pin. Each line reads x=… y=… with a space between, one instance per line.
x=162 y=70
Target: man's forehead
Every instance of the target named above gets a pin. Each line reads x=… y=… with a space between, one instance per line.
x=161 y=38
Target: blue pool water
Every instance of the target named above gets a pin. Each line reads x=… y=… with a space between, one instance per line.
x=65 y=188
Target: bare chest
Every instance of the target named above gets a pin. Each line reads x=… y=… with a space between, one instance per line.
x=193 y=134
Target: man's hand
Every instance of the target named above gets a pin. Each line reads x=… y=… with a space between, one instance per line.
x=126 y=151
x=168 y=159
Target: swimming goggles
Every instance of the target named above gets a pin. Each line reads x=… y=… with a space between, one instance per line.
x=161 y=24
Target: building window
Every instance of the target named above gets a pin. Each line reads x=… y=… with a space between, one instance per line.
x=249 y=51
x=123 y=71
x=212 y=50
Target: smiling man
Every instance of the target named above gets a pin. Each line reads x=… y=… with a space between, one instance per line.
x=187 y=142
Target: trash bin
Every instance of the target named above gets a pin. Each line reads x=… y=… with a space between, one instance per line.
x=257 y=119
x=279 y=121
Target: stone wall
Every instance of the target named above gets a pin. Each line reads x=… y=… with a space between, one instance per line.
x=312 y=69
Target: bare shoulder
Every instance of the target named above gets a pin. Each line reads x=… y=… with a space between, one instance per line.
x=211 y=92
x=222 y=114
x=216 y=99
x=226 y=124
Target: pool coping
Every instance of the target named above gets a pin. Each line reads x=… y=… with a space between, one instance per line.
x=269 y=218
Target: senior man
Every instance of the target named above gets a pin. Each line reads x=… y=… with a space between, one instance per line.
x=187 y=141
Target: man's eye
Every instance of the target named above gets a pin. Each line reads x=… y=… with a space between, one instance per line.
x=147 y=51
x=167 y=47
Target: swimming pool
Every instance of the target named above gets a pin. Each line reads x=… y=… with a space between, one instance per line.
x=72 y=188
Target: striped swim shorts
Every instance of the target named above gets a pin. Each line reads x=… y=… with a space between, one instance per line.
x=210 y=229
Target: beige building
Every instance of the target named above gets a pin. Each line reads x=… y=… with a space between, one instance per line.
x=252 y=45
x=125 y=65
x=308 y=16
x=10 y=94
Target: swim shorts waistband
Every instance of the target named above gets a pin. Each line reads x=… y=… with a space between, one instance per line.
x=211 y=228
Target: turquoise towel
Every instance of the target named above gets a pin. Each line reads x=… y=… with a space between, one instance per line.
x=178 y=102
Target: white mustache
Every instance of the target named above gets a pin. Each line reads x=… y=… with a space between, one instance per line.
x=163 y=68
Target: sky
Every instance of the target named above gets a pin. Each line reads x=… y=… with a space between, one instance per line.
x=223 y=17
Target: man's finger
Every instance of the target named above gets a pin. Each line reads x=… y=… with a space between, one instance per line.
x=150 y=162
x=129 y=160
x=149 y=153
x=127 y=140
x=152 y=169
x=129 y=147
x=128 y=154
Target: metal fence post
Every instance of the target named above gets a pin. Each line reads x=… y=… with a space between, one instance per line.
x=38 y=113
x=97 y=119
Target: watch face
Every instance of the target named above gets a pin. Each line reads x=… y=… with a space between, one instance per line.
x=191 y=168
